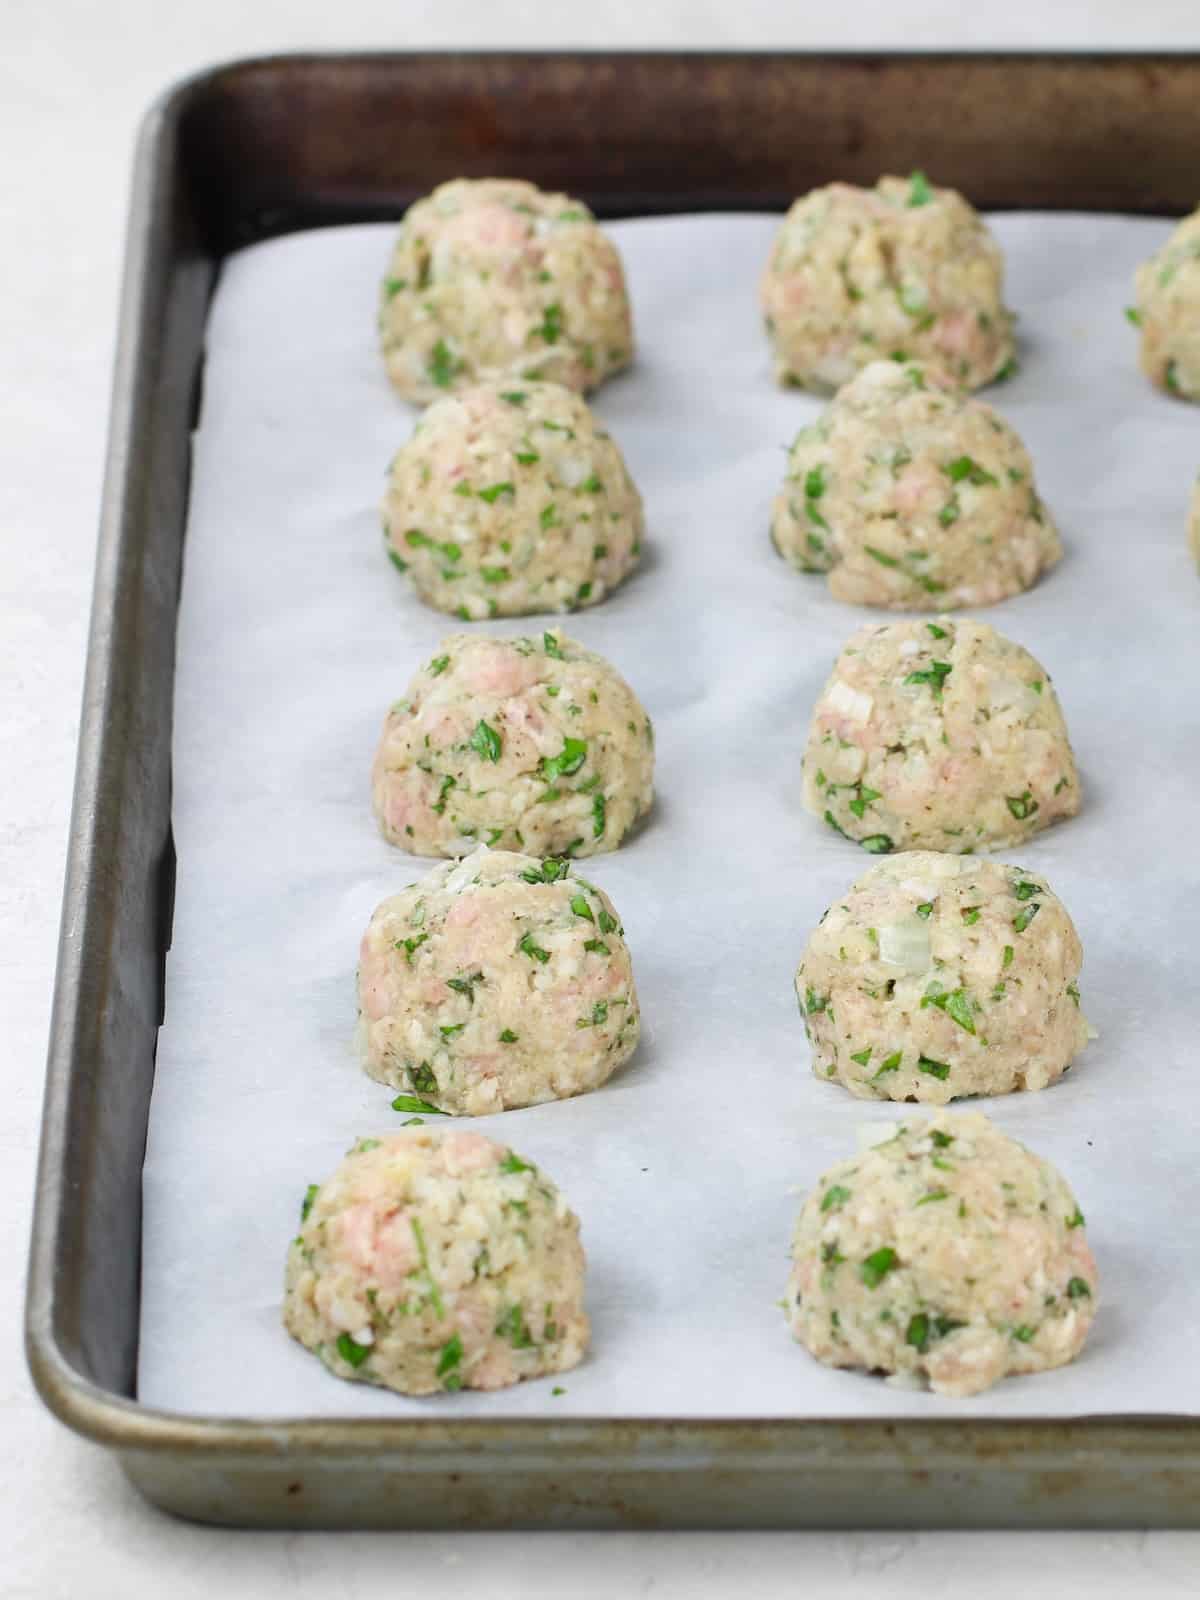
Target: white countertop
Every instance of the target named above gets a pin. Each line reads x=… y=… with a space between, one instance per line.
x=75 y=76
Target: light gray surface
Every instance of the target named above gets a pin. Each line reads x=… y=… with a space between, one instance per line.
x=295 y=635
x=74 y=78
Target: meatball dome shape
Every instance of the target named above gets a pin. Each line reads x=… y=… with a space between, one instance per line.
x=491 y=278
x=506 y=501
x=908 y=491
x=938 y=736
x=947 y=1251
x=434 y=1262
x=860 y=273
x=529 y=744
x=937 y=976
x=1168 y=312
x=495 y=982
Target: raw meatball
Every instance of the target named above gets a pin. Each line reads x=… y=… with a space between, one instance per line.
x=939 y=976
x=433 y=1262
x=1168 y=312
x=949 y=1251
x=902 y=268
x=495 y=982
x=491 y=278
x=906 y=490
x=938 y=736
x=506 y=501
x=530 y=744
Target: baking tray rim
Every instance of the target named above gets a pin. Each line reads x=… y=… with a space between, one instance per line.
x=1159 y=1441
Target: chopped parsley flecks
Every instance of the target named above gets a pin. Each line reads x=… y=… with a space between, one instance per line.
x=890 y=1064
x=528 y=946
x=552 y=647
x=494 y=490
x=351 y=1352
x=581 y=908
x=934 y=1069
x=966 y=469
x=466 y=985
x=411 y=946
x=438 y=665
x=512 y=1327
x=415 y=1104
x=956 y=1003
x=1022 y=806
x=444 y=365
x=925 y=909
x=1008 y=956
x=599 y=809
x=1023 y=918
x=552 y=324
x=507 y=1036
x=1075 y=1221
x=877 y=1265
x=306 y=1205
x=513 y=1163
x=449 y=1357
x=881 y=556
x=834 y=1197
x=1079 y=1289
x=877 y=844
x=936 y=632
x=485 y=741
x=550 y=871
x=934 y=675
x=920 y=190
x=568 y=760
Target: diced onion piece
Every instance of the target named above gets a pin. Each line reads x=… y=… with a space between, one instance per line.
x=850 y=702
x=906 y=945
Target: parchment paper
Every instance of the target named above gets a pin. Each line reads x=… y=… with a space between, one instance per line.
x=295 y=634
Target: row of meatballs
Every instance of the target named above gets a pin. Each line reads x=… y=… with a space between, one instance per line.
x=502 y=304
x=430 y=1262
x=946 y=1251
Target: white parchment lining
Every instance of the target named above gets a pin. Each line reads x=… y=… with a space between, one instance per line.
x=295 y=634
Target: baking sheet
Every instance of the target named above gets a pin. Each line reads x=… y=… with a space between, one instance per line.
x=686 y=1169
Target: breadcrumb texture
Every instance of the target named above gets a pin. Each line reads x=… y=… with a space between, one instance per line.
x=431 y=1262
x=494 y=982
x=938 y=735
x=1168 y=309
x=492 y=278
x=938 y=976
x=531 y=744
x=909 y=493
x=948 y=1252
x=507 y=501
x=903 y=268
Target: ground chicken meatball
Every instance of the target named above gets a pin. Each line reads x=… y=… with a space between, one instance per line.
x=506 y=501
x=527 y=744
x=948 y=1251
x=434 y=1262
x=491 y=278
x=902 y=268
x=495 y=982
x=907 y=490
x=1168 y=312
x=938 y=976
x=938 y=736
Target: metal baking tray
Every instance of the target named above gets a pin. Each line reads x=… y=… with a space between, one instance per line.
x=268 y=146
